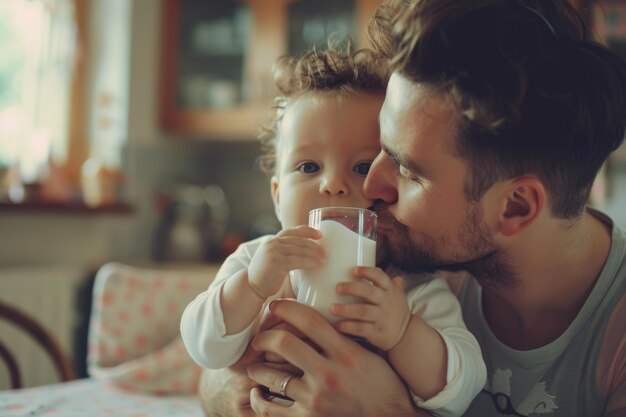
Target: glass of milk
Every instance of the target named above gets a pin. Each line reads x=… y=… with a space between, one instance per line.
x=349 y=237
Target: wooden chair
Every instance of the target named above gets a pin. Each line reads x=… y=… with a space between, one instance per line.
x=39 y=334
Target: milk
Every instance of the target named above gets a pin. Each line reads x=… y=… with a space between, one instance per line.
x=345 y=249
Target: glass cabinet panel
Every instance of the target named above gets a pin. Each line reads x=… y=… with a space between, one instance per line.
x=212 y=49
x=312 y=21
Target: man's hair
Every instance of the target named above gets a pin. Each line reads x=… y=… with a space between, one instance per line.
x=337 y=69
x=536 y=95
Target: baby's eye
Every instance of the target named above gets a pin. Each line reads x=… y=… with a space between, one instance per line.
x=308 y=167
x=362 y=168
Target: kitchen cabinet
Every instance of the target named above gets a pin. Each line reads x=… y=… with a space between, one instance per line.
x=217 y=57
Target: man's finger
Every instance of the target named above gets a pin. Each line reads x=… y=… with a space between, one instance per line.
x=293 y=349
x=276 y=379
x=270 y=321
x=263 y=407
x=249 y=356
x=314 y=327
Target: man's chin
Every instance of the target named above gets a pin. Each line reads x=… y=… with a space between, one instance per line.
x=416 y=267
x=410 y=260
x=393 y=247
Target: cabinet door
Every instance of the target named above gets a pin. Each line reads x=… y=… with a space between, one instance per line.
x=217 y=57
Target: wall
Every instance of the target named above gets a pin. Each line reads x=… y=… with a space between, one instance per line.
x=144 y=72
x=109 y=70
x=163 y=167
x=615 y=205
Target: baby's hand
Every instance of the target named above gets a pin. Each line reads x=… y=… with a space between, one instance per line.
x=290 y=249
x=383 y=316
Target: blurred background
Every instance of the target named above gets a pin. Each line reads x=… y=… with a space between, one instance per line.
x=127 y=133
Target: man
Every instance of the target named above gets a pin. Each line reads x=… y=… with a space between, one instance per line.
x=498 y=116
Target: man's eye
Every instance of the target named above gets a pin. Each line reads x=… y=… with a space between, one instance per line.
x=308 y=167
x=362 y=168
x=407 y=174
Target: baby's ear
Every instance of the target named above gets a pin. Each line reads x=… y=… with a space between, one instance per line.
x=274 y=192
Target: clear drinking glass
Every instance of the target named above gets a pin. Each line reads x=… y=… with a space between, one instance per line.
x=349 y=237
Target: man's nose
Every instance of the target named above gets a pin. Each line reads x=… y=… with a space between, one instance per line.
x=380 y=183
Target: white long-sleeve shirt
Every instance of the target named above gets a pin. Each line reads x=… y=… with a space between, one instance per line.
x=204 y=332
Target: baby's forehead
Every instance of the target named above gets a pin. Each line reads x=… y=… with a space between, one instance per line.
x=316 y=99
x=301 y=104
x=324 y=114
x=310 y=100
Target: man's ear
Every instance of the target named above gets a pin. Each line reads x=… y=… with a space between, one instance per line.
x=524 y=200
x=275 y=196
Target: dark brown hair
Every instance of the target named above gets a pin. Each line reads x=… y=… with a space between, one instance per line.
x=536 y=95
x=336 y=69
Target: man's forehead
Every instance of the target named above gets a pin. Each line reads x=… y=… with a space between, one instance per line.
x=400 y=92
x=403 y=94
x=413 y=110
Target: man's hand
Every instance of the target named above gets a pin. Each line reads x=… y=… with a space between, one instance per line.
x=344 y=380
x=226 y=392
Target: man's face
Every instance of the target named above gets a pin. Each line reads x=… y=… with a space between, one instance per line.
x=425 y=222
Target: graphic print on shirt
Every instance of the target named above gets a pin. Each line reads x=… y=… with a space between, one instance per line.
x=538 y=401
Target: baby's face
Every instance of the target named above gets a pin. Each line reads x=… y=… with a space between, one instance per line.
x=326 y=145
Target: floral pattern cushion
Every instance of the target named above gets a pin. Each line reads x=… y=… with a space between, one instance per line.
x=134 y=339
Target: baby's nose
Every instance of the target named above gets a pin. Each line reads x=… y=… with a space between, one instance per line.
x=334 y=185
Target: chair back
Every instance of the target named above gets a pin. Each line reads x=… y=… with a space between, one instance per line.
x=41 y=336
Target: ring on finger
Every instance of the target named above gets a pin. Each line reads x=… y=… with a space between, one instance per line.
x=283 y=384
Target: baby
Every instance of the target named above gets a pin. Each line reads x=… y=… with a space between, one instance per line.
x=319 y=148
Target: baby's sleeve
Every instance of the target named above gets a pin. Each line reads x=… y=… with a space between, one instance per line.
x=466 y=374
x=202 y=324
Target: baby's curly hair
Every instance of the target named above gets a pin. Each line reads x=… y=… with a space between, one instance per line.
x=334 y=69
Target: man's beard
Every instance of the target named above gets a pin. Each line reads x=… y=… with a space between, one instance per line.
x=473 y=249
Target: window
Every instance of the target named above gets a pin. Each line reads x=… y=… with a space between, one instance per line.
x=38 y=44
